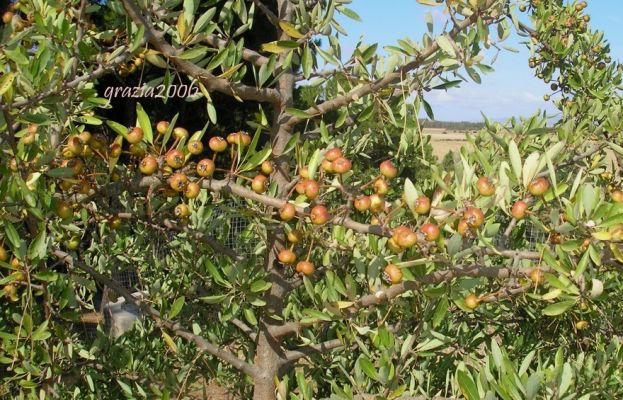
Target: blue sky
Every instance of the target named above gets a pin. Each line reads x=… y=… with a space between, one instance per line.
x=511 y=90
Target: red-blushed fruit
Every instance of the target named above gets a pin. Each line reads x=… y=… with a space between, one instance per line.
x=115 y=222
x=175 y=159
x=319 y=215
x=205 y=168
x=286 y=256
x=519 y=210
x=300 y=187
x=85 y=137
x=471 y=301
x=381 y=186
x=15 y=263
x=462 y=228
x=393 y=274
x=162 y=127
x=538 y=187
x=393 y=246
x=327 y=166
x=148 y=165
x=195 y=147
x=137 y=150
x=485 y=187
x=181 y=211
x=377 y=203
x=333 y=154
x=375 y=221
x=295 y=236
x=75 y=145
x=616 y=196
x=217 y=144
x=304 y=172
x=362 y=203
x=245 y=138
x=422 y=205
x=474 y=217
x=233 y=138
x=64 y=210
x=32 y=128
x=306 y=268
x=287 y=212
x=135 y=135
x=76 y=165
x=258 y=184
x=178 y=181
x=28 y=138
x=180 y=132
x=341 y=165
x=192 y=190
x=537 y=276
x=431 y=231
x=267 y=167
x=406 y=238
x=388 y=169
x=312 y=189
x=7 y=17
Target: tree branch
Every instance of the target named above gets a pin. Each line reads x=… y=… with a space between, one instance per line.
x=211 y=82
x=174 y=327
x=433 y=47
x=294 y=355
x=272 y=18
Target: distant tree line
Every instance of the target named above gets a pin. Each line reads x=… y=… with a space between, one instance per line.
x=453 y=125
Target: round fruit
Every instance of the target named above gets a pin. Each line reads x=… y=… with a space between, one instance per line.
x=406 y=238
x=192 y=190
x=73 y=243
x=471 y=301
x=233 y=138
x=258 y=184
x=381 y=186
x=377 y=203
x=162 y=127
x=181 y=211
x=304 y=173
x=286 y=257
x=287 y=212
x=205 y=168
x=431 y=231
x=64 y=210
x=4 y=255
x=7 y=17
x=75 y=145
x=537 y=276
x=581 y=325
x=393 y=246
x=485 y=187
x=85 y=137
x=10 y=290
x=180 y=133
x=306 y=268
x=28 y=138
x=76 y=165
x=267 y=167
x=538 y=187
x=115 y=222
x=617 y=196
x=333 y=154
x=295 y=236
x=137 y=150
x=311 y=189
x=319 y=215
x=245 y=139
x=341 y=165
x=300 y=187
x=327 y=166
x=422 y=205
x=135 y=135
x=217 y=144
x=178 y=182
x=148 y=165
x=175 y=159
x=519 y=210
x=474 y=217
x=195 y=147
x=362 y=203
x=393 y=274
x=462 y=228
x=15 y=263
x=388 y=169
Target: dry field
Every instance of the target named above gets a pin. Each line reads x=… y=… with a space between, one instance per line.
x=444 y=141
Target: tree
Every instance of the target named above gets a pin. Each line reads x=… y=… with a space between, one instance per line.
x=364 y=284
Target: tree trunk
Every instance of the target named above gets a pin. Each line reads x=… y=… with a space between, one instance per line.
x=268 y=355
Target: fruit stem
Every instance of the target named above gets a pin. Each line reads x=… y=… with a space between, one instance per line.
x=311 y=245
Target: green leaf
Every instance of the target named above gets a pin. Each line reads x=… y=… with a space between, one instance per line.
x=368 y=368
x=38 y=247
x=513 y=153
x=307 y=62
x=467 y=385
x=118 y=128
x=317 y=314
x=144 y=123
x=176 y=307
x=260 y=286
x=558 y=308
x=445 y=45
x=582 y=264
x=298 y=113
x=213 y=299
x=314 y=162
x=250 y=316
x=411 y=195
x=12 y=235
x=290 y=30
